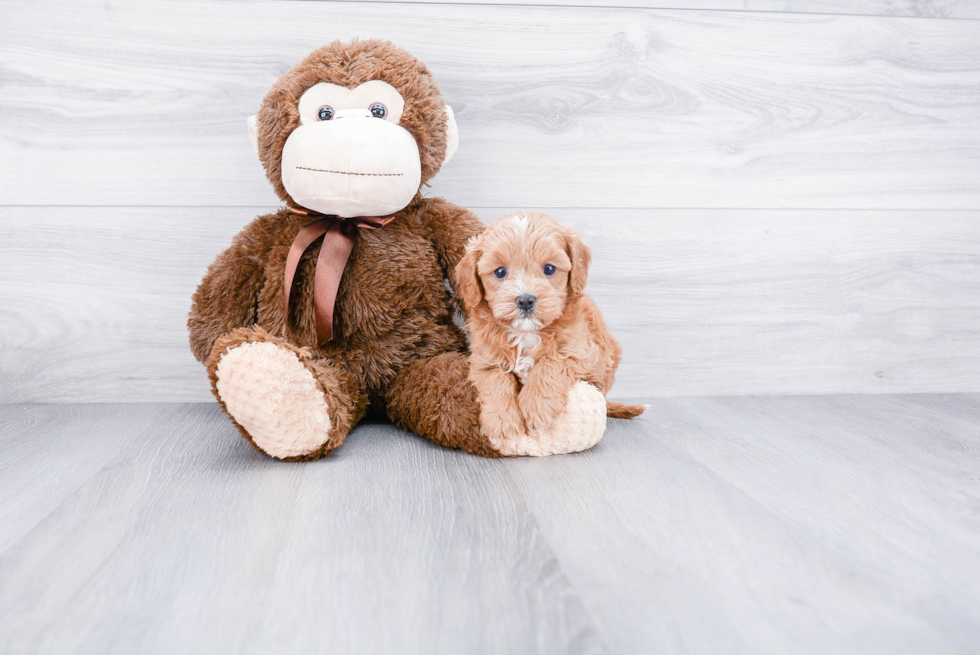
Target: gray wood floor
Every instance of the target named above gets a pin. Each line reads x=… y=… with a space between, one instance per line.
x=828 y=524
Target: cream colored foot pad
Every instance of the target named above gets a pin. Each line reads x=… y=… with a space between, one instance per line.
x=275 y=398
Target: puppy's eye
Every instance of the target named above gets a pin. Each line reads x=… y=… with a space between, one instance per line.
x=500 y=273
x=325 y=113
x=549 y=270
x=378 y=110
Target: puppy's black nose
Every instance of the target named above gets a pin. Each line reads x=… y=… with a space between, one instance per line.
x=526 y=302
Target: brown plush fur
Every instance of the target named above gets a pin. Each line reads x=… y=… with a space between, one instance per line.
x=395 y=343
x=524 y=363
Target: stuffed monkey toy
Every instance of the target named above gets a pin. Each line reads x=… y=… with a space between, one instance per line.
x=339 y=300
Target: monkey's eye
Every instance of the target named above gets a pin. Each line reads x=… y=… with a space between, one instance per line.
x=549 y=270
x=500 y=273
x=378 y=110
x=325 y=113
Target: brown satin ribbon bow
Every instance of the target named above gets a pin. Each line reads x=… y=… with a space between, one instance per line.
x=338 y=241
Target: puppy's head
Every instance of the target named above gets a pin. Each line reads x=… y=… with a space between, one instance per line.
x=525 y=267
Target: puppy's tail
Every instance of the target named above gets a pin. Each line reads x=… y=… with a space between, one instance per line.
x=621 y=410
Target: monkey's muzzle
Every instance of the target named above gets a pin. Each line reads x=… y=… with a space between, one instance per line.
x=358 y=166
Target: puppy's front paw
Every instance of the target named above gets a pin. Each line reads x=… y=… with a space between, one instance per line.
x=539 y=410
x=501 y=423
x=579 y=427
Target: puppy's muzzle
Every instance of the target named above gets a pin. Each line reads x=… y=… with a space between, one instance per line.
x=525 y=303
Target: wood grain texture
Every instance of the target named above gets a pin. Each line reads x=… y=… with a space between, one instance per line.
x=844 y=524
x=735 y=524
x=185 y=540
x=907 y=8
x=145 y=103
x=93 y=301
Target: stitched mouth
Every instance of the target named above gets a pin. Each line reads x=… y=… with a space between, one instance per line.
x=321 y=170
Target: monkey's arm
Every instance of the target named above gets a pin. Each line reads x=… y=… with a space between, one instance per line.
x=227 y=297
x=450 y=227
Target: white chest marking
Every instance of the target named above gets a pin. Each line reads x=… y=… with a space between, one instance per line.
x=526 y=342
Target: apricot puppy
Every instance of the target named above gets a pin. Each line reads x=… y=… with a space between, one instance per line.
x=534 y=332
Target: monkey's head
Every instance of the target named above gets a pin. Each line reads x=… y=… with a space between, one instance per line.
x=354 y=129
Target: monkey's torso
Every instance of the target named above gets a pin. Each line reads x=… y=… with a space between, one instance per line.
x=392 y=306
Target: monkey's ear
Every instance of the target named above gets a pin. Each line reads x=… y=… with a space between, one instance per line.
x=452 y=135
x=580 y=255
x=467 y=278
x=253 y=132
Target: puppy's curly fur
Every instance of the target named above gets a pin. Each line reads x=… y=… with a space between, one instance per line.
x=533 y=330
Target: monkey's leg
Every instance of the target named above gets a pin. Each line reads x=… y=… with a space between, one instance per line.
x=287 y=402
x=434 y=398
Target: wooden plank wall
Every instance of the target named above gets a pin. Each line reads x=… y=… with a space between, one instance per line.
x=782 y=197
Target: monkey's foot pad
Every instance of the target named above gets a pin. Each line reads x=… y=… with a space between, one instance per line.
x=578 y=428
x=271 y=394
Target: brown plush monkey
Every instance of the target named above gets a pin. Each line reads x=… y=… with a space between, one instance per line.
x=352 y=132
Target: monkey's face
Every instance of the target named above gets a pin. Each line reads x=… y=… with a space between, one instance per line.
x=349 y=156
x=354 y=130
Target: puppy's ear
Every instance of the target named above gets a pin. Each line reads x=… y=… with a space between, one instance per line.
x=580 y=255
x=467 y=278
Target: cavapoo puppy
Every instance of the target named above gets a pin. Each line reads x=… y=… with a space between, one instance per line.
x=534 y=332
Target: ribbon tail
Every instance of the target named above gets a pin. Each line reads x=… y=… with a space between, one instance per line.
x=330 y=264
x=301 y=243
